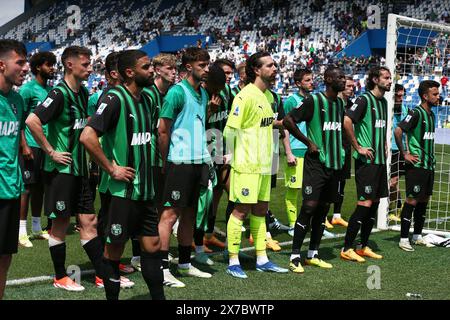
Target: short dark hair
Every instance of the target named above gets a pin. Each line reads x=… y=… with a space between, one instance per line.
x=398 y=87
x=128 y=59
x=374 y=72
x=349 y=78
x=426 y=85
x=224 y=62
x=74 y=51
x=7 y=45
x=193 y=54
x=216 y=77
x=254 y=62
x=111 y=62
x=300 y=73
x=39 y=59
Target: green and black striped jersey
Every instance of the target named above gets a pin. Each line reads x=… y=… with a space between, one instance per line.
x=235 y=91
x=419 y=125
x=216 y=123
x=369 y=115
x=323 y=117
x=125 y=125
x=65 y=113
x=157 y=101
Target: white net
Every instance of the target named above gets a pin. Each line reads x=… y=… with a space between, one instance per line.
x=416 y=51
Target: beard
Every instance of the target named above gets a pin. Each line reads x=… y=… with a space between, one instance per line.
x=143 y=82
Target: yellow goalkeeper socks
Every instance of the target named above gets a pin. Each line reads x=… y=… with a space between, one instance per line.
x=234 y=234
x=291 y=205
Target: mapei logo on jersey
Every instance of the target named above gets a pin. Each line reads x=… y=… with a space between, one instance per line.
x=100 y=109
x=219 y=116
x=9 y=128
x=380 y=123
x=47 y=102
x=428 y=136
x=265 y=122
x=141 y=138
x=80 y=124
x=332 y=126
x=236 y=111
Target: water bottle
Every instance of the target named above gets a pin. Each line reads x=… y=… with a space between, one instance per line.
x=414 y=295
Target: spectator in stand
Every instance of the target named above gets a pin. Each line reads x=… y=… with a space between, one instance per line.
x=444 y=81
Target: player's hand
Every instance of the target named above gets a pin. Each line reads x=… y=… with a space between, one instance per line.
x=291 y=160
x=411 y=158
x=27 y=153
x=366 y=152
x=214 y=103
x=125 y=174
x=64 y=158
x=312 y=148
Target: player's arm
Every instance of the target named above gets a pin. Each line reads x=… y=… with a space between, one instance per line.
x=354 y=114
x=303 y=113
x=48 y=110
x=406 y=125
x=104 y=120
x=173 y=104
x=290 y=158
x=25 y=148
x=213 y=105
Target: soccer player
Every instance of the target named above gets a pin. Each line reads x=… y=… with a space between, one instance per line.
x=323 y=114
x=397 y=160
x=303 y=79
x=368 y=115
x=164 y=66
x=248 y=133
x=217 y=120
x=347 y=96
x=42 y=65
x=124 y=121
x=66 y=182
x=420 y=163
x=13 y=69
x=185 y=156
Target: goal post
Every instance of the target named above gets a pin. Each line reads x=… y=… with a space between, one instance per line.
x=416 y=50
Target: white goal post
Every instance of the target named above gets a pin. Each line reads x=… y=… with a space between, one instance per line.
x=412 y=37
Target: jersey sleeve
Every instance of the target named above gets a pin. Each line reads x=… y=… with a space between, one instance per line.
x=51 y=107
x=305 y=112
x=236 y=116
x=107 y=114
x=173 y=103
x=357 y=111
x=410 y=121
x=281 y=113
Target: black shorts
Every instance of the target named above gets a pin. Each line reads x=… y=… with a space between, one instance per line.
x=319 y=183
x=32 y=169
x=158 y=184
x=419 y=182
x=93 y=168
x=371 y=181
x=182 y=186
x=125 y=219
x=66 y=195
x=397 y=164
x=9 y=225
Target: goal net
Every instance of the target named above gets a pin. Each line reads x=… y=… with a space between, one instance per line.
x=415 y=51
